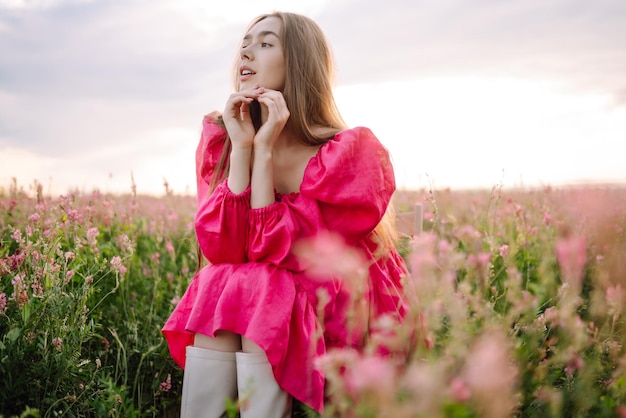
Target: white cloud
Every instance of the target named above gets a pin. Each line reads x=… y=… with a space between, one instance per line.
x=465 y=132
x=25 y=166
x=37 y=4
x=205 y=13
x=151 y=157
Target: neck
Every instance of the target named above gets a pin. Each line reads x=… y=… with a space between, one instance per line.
x=285 y=138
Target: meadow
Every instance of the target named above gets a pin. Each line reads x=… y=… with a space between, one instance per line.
x=517 y=305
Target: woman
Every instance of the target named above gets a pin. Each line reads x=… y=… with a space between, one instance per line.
x=279 y=166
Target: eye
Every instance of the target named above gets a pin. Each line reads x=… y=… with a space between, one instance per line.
x=244 y=46
x=265 y=45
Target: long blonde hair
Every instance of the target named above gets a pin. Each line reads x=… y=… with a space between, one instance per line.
x=308 y=93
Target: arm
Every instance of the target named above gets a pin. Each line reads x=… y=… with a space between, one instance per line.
x=262 y=181
x=239 y=172
x=241 y=132
x=221 y=218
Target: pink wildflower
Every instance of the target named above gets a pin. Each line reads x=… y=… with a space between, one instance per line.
x=3 y=303
x=17 y=235
x=57 y=343
x=371 y=376
x=532 y=231
x=92 y=234
x=466 y=232
x=170 y=248
x=34 y=218
x=547 y=218
x=328 y=256
x=491 y=376
x=575 y=363
x=116 y=263
x=336 y=360
x=37 y=288
x=459 y=390
x=68 y=276
x=503 y=250
x=551 y=315
x=125 y=244
x=424 y=384
x=571 y=256
x=444 y=247
x=429 y=216
x=166 y=385
x=615 y=299
x=15 y=260
x=19 y=291
x=69 y=255
x=423 y=258
x=74 y=215
x=480 y=260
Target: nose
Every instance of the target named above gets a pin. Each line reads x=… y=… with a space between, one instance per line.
x=246 y=53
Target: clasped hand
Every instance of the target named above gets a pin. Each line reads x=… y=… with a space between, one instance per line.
x=238 y=122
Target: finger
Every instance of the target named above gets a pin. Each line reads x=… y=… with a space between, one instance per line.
x=272 y=96
x=234 y=102
x=275 y=104
x=252 y=92
x=244 y=111
x=239 y=96
x=275 y=96
x=234 y=105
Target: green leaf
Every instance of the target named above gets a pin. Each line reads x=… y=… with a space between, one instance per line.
x=13 y=335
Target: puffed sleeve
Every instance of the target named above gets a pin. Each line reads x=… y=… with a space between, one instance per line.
x=346 y=189
x=221 y=220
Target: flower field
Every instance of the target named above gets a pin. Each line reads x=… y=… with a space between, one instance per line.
x=517 y=301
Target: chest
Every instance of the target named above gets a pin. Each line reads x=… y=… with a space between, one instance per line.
x=289 y=168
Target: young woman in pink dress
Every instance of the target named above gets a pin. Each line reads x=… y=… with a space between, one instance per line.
x=276 y=167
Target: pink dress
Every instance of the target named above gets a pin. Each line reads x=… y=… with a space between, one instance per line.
x=256 y=287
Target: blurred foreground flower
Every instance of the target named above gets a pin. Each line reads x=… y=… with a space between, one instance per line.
x=326 y=255
x=491 y=375
x=571 y=256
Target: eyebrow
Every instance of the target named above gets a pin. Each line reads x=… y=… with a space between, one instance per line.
x=261 y=34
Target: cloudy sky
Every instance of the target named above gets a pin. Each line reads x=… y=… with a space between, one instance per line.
x=464 y=93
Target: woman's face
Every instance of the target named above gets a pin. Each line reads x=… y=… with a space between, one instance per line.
x=261 y=60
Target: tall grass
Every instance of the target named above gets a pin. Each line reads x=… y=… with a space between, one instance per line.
x=86 y=282
x=516 y=307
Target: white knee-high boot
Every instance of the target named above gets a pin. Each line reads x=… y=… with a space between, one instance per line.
x=210 y=378
x=259 y=394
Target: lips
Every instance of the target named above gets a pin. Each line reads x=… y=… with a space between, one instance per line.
x=245 y=73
